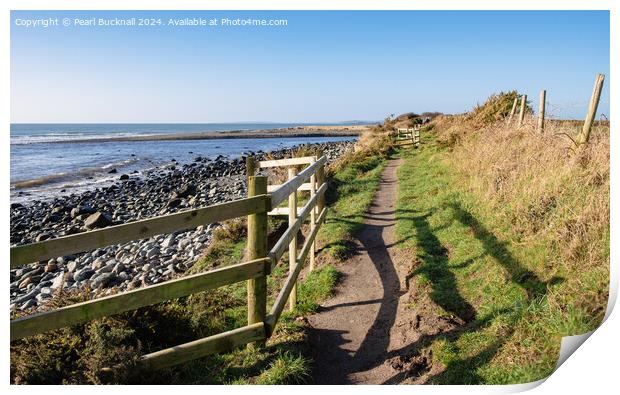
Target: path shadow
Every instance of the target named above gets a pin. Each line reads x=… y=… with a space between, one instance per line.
x=337 y=367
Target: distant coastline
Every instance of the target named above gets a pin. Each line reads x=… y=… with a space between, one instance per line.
x=300 y=131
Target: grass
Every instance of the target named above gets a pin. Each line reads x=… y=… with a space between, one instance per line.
x=485 y=217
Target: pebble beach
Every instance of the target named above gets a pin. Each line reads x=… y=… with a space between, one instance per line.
x=130 y=197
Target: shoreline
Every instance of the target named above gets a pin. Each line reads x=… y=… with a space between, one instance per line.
x=292 y=132
x=163 y=190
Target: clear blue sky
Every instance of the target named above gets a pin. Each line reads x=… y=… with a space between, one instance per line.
x=323 y=66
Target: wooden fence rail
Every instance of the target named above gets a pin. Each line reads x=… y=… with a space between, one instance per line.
x=136 y=230
x=262 y=199
x=406 y=137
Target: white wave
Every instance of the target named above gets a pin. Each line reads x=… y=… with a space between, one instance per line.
x=68 y=137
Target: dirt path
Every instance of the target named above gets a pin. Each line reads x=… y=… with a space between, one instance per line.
x=364 y=334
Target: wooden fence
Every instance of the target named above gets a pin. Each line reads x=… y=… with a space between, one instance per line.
x=262 y=200
x=406 y=137
x=584 y=135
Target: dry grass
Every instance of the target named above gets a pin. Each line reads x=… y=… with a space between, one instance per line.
x=548 y=187
x=374 y=143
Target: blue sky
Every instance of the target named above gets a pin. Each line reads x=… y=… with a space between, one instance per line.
x=323 y=66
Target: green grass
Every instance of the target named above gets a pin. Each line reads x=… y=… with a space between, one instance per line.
x=349 y=195
x=469 y=262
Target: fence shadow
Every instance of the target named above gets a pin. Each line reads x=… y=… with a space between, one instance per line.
x=435 y=267
x=521 y=276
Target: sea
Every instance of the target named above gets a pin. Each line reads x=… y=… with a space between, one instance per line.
x=48 y=159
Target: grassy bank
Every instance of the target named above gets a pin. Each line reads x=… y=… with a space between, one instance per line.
x=77 y=354
x=509 y=231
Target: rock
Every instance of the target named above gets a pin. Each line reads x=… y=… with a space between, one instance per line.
x=108 y=267
x=43 y=236
x=153 y=252
x=98 y=264
x=103 y=280
x=119 y=268
x=186 y=190
x=174 y=202
x=52 y=218
x=71 y=266
x=15 y=206
x=51 y=267
x=83 y=274
x=98 y=220
x=124 y=177
x=120 y=254
x=81 y=210
x=168 y=242
x=25 y=282
x=58 y=282
x=113 y=171
x=184 y=243
x=30 y=303
x=29 y=295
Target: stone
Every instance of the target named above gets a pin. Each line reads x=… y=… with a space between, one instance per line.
x=103 y=280
x=25 y=282
x=98 y=220
x=29 y=295
x=30 y=303
x=124 y=177
x=174 y=202
x=168 y=242
x=186 y=190
x=183 y=243
x=83 y=274
x=51 y=267
x=72 y=266
x=82 y=209
x=58 y=282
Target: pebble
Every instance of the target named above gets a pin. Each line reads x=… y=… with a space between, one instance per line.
x=83 y=274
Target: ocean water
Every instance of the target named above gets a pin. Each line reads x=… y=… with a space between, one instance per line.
x=47 y=158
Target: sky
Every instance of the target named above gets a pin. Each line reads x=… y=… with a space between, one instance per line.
x=323 y=66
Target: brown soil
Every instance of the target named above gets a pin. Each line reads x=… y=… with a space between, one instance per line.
x=374 y=329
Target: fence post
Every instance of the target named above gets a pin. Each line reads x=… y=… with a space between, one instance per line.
x=514 y=110
x=320 y=179
x=312 y=215
x=596 y=96
x=541 y=111
x=257 y=248
x=522 y=112
x=250 y=167
x=292 y=247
